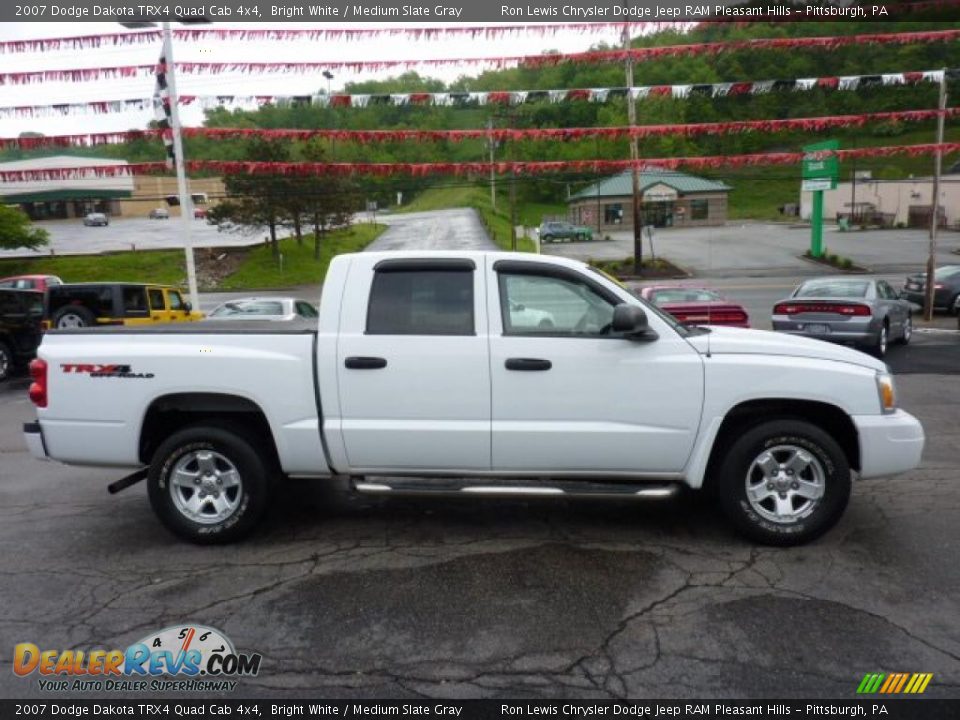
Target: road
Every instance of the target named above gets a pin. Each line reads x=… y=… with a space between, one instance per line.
x=771 y=250
x=352 y=597
x=457 y=229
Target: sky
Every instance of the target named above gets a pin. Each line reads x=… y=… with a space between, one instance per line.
x=382 y=48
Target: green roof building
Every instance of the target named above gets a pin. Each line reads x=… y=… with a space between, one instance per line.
x=669 y=198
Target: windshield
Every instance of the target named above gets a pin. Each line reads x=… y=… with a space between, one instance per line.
x=833 y=288
x=683 y=295
x=249 y=307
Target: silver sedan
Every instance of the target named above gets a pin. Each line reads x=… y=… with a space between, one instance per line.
x=263 y=308
x=858 y=311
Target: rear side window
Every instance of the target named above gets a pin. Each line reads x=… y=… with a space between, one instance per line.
x=421 y=302
x=134 y=301
x=156 y=300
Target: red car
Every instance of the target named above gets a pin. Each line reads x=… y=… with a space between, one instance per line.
x=696 y=305
x=39 y=283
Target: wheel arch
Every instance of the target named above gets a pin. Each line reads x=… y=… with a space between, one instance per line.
x=168 y=413
x=829 y=418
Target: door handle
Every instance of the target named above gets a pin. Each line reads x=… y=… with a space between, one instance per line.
x=365 y=363
x=527 y=364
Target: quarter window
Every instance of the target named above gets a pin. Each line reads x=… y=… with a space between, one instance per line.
x=541 y=304
x=421 y=302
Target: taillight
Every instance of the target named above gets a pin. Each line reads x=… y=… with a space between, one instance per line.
x=850 y=310
x=38 y=388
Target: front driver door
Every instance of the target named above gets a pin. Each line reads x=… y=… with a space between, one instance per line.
x=568 y=396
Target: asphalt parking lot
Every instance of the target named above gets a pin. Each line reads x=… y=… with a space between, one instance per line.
x=349 y=597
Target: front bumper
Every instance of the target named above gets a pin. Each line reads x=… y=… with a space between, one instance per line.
x=889 y=444
x=33 y=436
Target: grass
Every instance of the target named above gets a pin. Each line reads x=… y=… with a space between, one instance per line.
x=164 y=267
x=260 y=271
x=497 y=222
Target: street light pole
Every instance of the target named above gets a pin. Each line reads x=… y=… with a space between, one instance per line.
x=634 y=165
x=186 y=206
x=935 y=204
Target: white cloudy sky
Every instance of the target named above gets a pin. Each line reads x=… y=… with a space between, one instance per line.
x=385 y=48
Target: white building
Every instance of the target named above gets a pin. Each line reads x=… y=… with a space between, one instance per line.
x=889 y=202
x=67 y=198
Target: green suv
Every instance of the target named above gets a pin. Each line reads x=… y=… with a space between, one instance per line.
x=552 y=231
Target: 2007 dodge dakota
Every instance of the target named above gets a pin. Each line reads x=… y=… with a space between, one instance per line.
x=473 y=373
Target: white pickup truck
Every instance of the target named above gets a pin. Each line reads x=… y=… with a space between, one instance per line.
x=476 y=374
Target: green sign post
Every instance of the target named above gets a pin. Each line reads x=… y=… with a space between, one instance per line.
x=819 y=174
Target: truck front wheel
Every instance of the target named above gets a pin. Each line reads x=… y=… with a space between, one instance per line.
x=208 y=484
x=784 y=482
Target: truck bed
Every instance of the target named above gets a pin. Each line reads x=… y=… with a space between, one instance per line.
x=206 y=327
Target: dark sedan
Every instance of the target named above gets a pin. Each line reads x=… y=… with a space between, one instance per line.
x=859 y=311
x=946 y=288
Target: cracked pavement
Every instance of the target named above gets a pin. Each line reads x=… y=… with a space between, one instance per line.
x=350 y=597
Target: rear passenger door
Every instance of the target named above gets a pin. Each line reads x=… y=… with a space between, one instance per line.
x=134 y=305
x=412 y=364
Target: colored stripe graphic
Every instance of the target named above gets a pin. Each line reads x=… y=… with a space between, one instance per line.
x=894 y=683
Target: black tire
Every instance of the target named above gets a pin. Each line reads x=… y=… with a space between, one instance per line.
x=548 y=238
x=879 y=348
x=906 y=332
x=809 y=523
x=953 y=307
x=7 y=361
x=73 y=316
x=256 y=473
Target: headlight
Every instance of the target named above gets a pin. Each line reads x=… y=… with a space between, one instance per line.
x=887 y=392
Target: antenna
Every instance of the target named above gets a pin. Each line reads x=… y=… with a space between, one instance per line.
x=709 y=305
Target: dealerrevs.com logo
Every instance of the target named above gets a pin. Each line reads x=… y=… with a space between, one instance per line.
x=180 y=657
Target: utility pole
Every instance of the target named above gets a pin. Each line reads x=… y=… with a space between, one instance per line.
x=186 y=206
x=634 y=157
x=492 y=146
x=935 y=203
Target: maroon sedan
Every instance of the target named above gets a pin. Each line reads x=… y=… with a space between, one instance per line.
x=696 y=306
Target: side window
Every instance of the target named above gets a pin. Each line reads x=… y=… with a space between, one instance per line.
x=543 y=304
x=885 y=290
x=421 y=302
x=156 y=299
x=176 y=302
x=134 y=301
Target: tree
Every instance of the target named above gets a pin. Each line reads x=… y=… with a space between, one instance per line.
x=17 y=232
x=257 y=200
x=328 y=200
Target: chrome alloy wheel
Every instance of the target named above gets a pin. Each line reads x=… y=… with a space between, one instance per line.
x=785 y=484
x=71 y=320
x=205 y=487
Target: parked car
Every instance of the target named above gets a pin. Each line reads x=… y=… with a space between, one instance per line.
x=95 y=219
x=199 y=213
x=415 y=380
x=946 y=288
x=76 y=305
x=20 y=314
x=553 y=231
x=696 y=305
x=160 y=214
x=263 y=308
x=30 y=282
x=858 y=311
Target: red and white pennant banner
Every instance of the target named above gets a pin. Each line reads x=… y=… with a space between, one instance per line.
x=533 y=61
x=496 y=97
x=469 y=169
x=812 y=124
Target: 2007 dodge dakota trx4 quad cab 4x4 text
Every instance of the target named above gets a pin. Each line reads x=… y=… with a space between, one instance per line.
x=477 y=374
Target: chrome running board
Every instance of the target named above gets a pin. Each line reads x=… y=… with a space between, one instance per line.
x=492 y=488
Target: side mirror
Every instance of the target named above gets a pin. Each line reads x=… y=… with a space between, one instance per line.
x=187 y=307
x=630 y=321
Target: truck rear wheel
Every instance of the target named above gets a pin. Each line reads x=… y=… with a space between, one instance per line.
x=73 y=316
x=784 y=482
x=209 y=484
